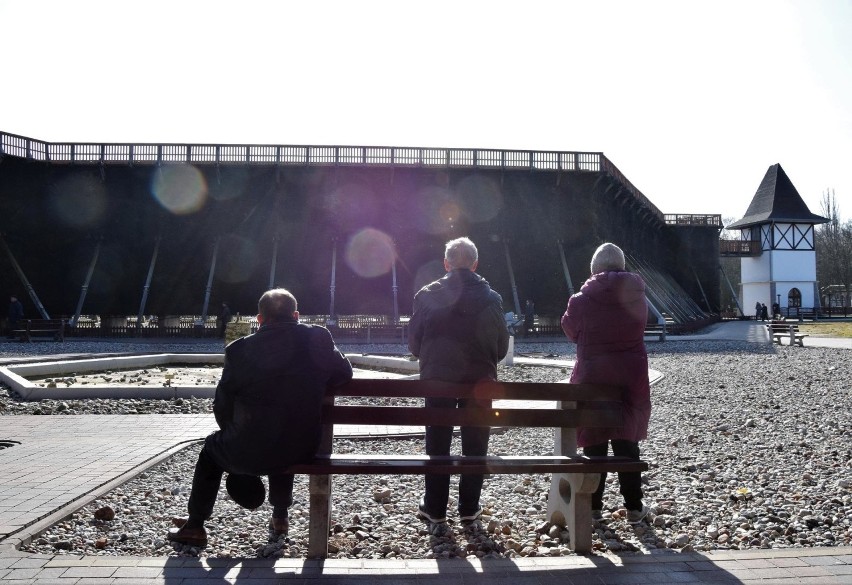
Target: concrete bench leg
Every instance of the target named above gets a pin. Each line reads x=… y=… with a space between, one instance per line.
x=320 y=510
x=569 y=504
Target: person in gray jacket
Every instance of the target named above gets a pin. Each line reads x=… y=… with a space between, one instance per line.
x=458 y=332
x=267 y=405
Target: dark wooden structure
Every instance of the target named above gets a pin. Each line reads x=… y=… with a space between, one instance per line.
x=288 y=210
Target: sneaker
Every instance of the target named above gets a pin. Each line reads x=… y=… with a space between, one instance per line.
x=597 y=515
x=470 y=517
x=636 y=516
x=427 y=517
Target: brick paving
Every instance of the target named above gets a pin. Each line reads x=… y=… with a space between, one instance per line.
x=62 y=460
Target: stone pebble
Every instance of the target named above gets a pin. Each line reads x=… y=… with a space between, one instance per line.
x=748 y=448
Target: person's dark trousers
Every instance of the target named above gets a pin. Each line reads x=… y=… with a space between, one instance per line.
x=629 y=483
x=438 y=441
x=205 y=488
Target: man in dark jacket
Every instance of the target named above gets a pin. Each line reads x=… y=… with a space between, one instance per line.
x=267 y=405
x=225 y=317
x=458 y=331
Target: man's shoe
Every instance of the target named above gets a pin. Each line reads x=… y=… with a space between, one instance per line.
x=438 y=529
x=279 y=526
x=636 y=516
x=189 y=536
x=427 y=517
x=470 y=517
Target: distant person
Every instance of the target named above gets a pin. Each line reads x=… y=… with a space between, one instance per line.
x=458 y=331
x=225 y=317
x=16 y=314
x=267 y=406
x=758 y=311
x=529 y=317
x=764 y=312
x=776 y=311
x=606 y=320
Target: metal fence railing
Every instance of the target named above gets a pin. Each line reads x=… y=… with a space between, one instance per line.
x=259 y=154
x=694 y=219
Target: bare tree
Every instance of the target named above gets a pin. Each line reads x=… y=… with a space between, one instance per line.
x=730 y=268
x=834 y=249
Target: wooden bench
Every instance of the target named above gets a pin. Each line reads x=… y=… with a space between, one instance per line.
x=575 y=477
x=779 y=329
x=52 y=328
x=657 y=330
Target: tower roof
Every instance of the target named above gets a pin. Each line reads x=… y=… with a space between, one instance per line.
x=776 y=200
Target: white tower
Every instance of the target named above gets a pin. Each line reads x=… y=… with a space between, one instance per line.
x=780 y=229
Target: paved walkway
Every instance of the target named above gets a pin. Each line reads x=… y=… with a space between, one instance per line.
x=62 y=463
x=755 y=331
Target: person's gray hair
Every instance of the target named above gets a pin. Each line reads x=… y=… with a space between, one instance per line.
x=276 y=305
x=461 y=253
x=607 y=257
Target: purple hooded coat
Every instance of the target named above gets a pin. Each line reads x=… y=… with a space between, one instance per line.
x=606 y=320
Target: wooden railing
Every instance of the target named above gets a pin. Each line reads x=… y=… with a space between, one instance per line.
x=693 y=219
x=361 y=327
x=739 y=248
x=258 y=154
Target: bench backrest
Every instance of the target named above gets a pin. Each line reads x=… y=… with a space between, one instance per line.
x=577 y=405
x=783 y=327
x=44 y=323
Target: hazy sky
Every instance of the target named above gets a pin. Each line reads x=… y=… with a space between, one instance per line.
x=693 y=101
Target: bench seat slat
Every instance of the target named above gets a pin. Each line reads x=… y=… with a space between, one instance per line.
x=389 y=388
x=476 y=417
x=369 y=464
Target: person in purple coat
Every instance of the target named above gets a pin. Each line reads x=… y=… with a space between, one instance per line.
x=606 y=320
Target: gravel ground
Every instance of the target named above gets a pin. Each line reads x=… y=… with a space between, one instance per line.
x=748 y=448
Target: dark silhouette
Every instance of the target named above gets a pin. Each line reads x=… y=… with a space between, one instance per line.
x=458 y=331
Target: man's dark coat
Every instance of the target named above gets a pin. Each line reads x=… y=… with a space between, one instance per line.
x=269 y=399
x=457 y=329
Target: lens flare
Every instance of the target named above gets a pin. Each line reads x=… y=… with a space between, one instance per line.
x=232 y=184
x=78 y=201
x=481 y=198
x=237 y=259
x=370 y=253
x=435 y=210
x=181 y=189
x=429 y=272
x=449 y=212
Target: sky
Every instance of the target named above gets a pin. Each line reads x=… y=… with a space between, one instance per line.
x=692 y=101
